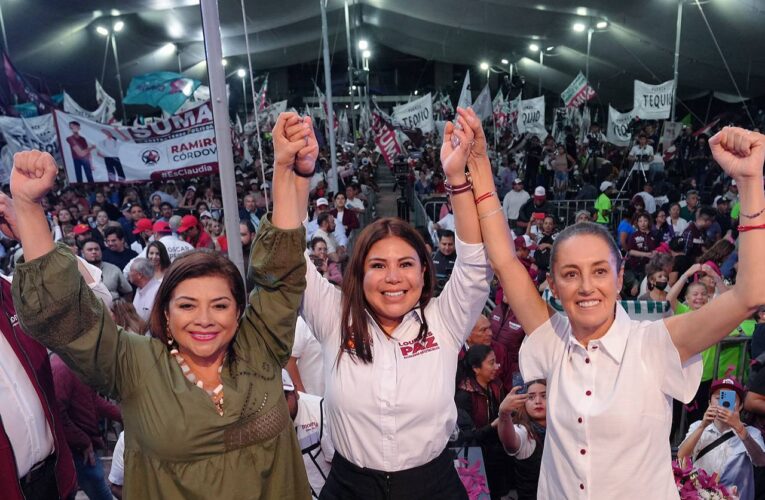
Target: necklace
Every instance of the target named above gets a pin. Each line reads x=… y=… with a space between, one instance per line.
x=216 y=395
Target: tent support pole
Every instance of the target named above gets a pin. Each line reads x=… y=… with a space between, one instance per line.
x=677 y=55
x=328 y=93
x=219 y=102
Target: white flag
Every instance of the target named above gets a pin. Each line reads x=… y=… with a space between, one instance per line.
x=653 y=102
x=482 y=104
x=531 y=117
x=618 y=132
x=466 y=97
x=416 y=114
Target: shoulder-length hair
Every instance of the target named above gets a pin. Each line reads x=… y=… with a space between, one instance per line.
x=355 y=337
x=200 y=263
x=164 y=257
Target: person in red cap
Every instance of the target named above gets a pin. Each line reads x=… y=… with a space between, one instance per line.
x=193 y=233
x=720 y=443
x=143 y=231
x=523 y=248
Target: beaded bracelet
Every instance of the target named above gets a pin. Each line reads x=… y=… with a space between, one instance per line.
x=489 y=214
x=743 y=229
x=459 y=188
x=485 y=196
x=753 y=216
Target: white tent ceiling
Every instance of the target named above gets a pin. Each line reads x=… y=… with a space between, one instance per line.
x=56 y=40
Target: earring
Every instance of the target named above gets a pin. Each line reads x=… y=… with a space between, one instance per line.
x=170 y=339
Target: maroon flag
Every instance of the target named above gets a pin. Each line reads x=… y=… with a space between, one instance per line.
x=22 y=90
x=385 y=138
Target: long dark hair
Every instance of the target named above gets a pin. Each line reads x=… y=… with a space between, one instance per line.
x=355 y=338
x=164 y=257
x=522 y=417
x=193 y=264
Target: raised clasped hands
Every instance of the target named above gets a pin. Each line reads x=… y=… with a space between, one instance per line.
x=295 y=144
x=740 y=152
x=454 y=154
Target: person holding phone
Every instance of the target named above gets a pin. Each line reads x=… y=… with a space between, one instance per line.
x=611 y=380
x=720 y=443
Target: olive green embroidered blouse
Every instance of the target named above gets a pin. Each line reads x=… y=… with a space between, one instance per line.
x=176 y=444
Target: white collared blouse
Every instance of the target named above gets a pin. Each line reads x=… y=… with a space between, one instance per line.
x=398 y=411
x=609 y=408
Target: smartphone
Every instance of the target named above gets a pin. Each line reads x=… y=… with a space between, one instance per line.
x=728 y=400
x=518 y=381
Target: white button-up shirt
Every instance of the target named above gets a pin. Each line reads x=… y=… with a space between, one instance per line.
x=143 y=301
x=609 y=408
x=398 y=411
x=22 y=412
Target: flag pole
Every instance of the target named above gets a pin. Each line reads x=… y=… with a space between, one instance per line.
x=350 y=68
x=328 y=95
x=219 y=103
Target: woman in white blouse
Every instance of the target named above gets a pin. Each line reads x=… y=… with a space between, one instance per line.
x=391 y=349
x=611 y=380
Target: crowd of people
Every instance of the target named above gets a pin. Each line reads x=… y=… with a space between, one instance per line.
x=381 y=335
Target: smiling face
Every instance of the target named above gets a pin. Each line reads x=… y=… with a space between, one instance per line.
x=586 y=280
x=696 y=296
x=393 y=280
x=536 y=405
x=153 y=255
x=202 y=317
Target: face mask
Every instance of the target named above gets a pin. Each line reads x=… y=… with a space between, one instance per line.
x=660 y=285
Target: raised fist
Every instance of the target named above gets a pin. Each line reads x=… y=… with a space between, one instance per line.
x=33 y=175
x=740 y=152
x=285 y=147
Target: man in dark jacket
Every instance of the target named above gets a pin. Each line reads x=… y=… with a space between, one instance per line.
x=80 y=409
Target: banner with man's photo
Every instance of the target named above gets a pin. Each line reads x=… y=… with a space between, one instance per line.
x=180 y=146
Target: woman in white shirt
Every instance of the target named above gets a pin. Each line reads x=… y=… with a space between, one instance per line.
x=391 y=350
x=678 y=223
x=611 y=380
x=522 y=426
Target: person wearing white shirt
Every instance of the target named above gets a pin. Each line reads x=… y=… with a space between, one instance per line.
x=611 y=380
x=514 y=200
x=141 y=275
x=312 y=430
x=648 y=199
x=641 y=154
x=306 y=364
x=393 y=350
x=522 y=426
x=352 y=202
x=117 y=471
x=678 y=223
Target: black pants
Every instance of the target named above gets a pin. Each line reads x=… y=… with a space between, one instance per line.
x=114 y=168
x=437 y=480
x=41 y=483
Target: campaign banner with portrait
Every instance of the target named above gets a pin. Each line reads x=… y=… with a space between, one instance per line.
x=619 y=132
x=417 y=114
x=180 y=146
x=653 y=102
x=23 y=134
x=531 y=117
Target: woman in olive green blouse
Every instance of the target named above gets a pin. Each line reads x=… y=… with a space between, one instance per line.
x=202 y=401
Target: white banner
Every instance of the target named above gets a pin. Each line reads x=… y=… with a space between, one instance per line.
x=653 y=102
x=103 y=114
x=531 y=117
x=23 y=134
x=180 y=146
x=415 y=114
x=619 y=132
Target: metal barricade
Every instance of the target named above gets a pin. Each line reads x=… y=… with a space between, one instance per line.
x=565 y=210
x=433 y=206
x=743 y=342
